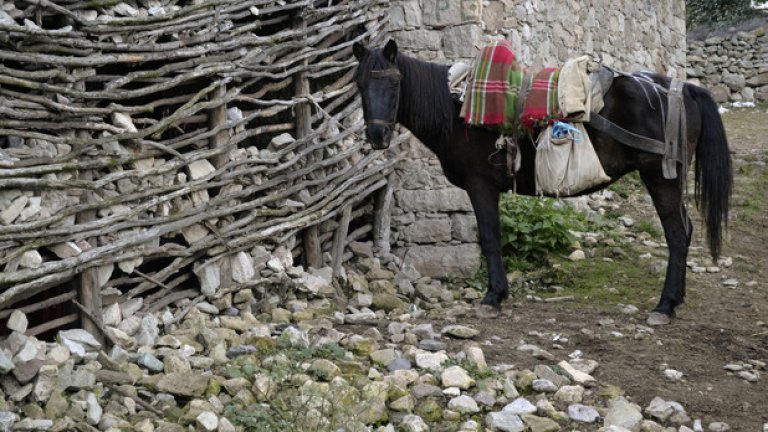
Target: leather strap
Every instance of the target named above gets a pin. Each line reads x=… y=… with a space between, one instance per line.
x=626 y=137
x=674 y=128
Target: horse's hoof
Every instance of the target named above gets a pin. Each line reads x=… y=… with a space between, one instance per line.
x=486 y=311
x=658 y=319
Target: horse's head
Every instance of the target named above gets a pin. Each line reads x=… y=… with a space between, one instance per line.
x=378 y=80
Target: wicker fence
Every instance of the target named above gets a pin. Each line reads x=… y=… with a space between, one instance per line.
x=151 y=149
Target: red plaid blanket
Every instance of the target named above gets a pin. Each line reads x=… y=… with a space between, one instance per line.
x=493 y=89
x=541 y=104
x=491 y=96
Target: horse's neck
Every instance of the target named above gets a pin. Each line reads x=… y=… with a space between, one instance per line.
x=426 y=108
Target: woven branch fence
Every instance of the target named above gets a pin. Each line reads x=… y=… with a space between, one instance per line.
x=149 y=148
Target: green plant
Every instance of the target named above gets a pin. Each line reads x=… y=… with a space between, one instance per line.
x=531 y=228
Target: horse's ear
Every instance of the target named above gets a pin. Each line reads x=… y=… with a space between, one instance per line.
x=390 y=51
x=359 y=50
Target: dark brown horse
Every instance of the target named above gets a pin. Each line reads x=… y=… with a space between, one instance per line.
x=396 y=88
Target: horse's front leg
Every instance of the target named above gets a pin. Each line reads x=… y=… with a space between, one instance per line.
x=485 y=202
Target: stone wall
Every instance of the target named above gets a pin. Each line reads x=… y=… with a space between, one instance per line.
x=433 y=226
x=734 y=68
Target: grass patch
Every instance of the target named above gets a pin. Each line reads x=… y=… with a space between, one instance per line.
x=649 y=226
x=606 y=283
x=752 y=192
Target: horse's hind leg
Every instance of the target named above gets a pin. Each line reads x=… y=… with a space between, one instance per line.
x=668 y=199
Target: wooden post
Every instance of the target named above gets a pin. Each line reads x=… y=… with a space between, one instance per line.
x=313 y=255
x=340 y=240
x=217 y=116
x=87 y=283
x=382 y=216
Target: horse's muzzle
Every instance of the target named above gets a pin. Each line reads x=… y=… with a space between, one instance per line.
x=379 y=135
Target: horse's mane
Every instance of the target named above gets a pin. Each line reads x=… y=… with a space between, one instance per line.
x=426 y=104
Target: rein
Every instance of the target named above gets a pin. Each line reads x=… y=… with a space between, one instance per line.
x=385 y=73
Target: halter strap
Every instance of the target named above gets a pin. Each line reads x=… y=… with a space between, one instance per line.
x=391 y=72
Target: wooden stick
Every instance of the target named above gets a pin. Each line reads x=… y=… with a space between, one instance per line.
x=50 y=325
x=53 y=301
x=340 y=240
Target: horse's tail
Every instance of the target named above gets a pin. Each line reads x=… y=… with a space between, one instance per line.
x=713 y=169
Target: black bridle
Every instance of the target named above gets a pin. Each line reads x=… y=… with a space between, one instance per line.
x=386 y=73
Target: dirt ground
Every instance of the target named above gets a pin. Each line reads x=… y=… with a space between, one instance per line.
x=716 y=326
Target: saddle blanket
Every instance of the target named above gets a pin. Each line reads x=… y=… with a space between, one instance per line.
x=497 y=82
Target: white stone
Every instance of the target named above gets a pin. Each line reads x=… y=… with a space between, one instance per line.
x=456 y=376
x=659 y=409
x=209 y=276
x=194 y=233
x=476 y=357
x=460 y=331
x=281 y=141
x=673 y=375
x=520 y=406
x=623 y=414
x=65 y=250
x=103 y=274
x=583 y=413
x=80 y=336
x=313 y=284
x=576 y=375
x=94 y=411
x=58 y=353
x=148 y=331
x=47 y=379
x=413 y=423
x=200 y=168
x=124 y=121
x=226 y=426
x=14 y=210
x=111 y=315
x=242 y=267
x=27 y=352
x=544 y=385
x=31 y=211
x=504 y=421
x=17 y=321
x=569 y=394
x=283 y=253
x=577 y=255
x=127 y=266
x=129 y=307
x=463 y=405
x=208 y=421
x=431 y=361
x=275 y=265
x=31 y=259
